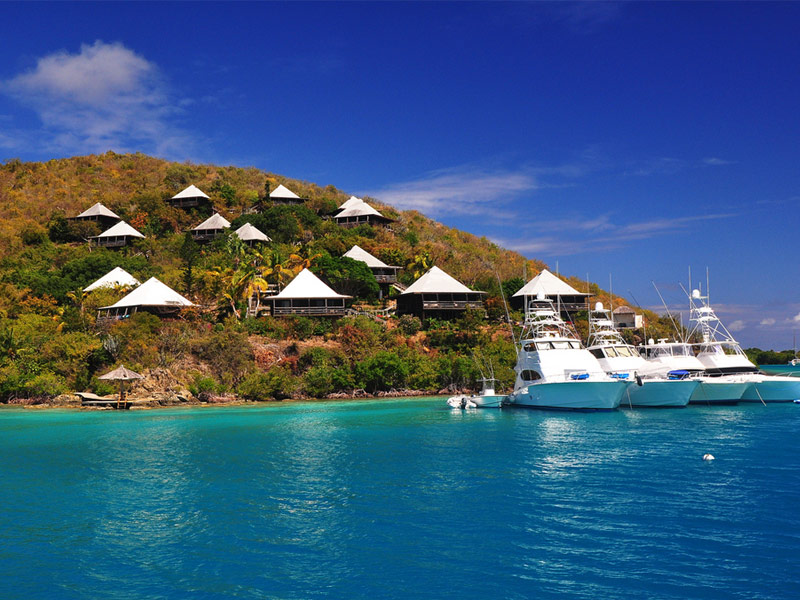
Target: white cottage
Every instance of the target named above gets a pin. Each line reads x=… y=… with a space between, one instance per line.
x=384 y=274
x=190 y=197
x=117 y=236
x=283 y=195
x=98 y=213
x=356 y=212
x=251 y=235
x=211 y=228
x=116 y=278
x=437 y=294
x=554 y=289
x=307 y=295
x=152 y=296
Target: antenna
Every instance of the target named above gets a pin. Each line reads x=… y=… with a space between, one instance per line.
x=669 y=314
x=611 y=297
x=644 y=321
x=505 y=304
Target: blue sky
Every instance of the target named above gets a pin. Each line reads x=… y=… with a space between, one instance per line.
x=625 y=139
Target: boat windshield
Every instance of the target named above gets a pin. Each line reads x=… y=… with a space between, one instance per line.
x=624 y=351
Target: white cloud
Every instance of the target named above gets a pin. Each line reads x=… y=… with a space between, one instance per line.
x=714 y=161
x=768 y=322
x=796 y=318
x=598 y=234
x=104 y=97
x=737 y=325
x=462 y=190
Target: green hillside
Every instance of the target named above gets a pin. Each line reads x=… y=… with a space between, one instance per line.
x=50 y=341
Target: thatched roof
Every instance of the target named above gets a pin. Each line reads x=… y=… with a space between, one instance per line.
x=121 y=374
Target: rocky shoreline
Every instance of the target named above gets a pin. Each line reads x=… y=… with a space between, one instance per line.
x=171 y=400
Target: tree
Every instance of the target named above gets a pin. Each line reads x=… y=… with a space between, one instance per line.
x=347 y=276
x=189 y=253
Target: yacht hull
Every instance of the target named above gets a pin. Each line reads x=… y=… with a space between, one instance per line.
x=570 y=395
x=659 y=393
x=772 y=389
x=715 y=391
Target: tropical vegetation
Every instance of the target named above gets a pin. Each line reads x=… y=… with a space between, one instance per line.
x=51 y=341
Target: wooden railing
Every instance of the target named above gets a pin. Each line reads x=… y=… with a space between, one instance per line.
x=309 y=310
x=451 y=304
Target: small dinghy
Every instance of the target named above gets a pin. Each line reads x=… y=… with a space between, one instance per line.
x=486 y=399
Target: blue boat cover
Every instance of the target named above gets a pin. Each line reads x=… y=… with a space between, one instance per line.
x=679 y=374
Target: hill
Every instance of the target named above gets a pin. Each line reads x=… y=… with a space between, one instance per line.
x=50 y=341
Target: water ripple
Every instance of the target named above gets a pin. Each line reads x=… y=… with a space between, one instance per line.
x=399 y=499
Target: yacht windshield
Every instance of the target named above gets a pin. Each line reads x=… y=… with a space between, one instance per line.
x=561 y=345
x=611 y=352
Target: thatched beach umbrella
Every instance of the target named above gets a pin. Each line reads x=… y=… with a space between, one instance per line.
x=122 y=375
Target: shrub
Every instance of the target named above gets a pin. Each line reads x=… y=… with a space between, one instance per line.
x=46 y=384
x=347 y=276
x=409 y=324
x=382 y=371
x=101 y=387
x=203 y=387
x=33 y=234
x=227 y=352
x=314 y=357
x=258 y=386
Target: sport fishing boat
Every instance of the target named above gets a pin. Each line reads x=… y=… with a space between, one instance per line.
x=620 y=360
x=486 y=399
x=721 y=355
x=676 y=360
x=555 y=371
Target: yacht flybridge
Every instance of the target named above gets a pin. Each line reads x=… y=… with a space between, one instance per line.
x=555 y=371
x=721 y=355
x=645 y=387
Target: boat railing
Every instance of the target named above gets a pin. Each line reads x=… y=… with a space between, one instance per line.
x=570 y=376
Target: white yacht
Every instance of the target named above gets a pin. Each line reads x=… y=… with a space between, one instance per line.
x=621 y=361
x=555 y=371
x=676 y=360
x=721 y=355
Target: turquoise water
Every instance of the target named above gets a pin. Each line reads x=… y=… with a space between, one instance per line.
x=399 y=499
x=792 y=371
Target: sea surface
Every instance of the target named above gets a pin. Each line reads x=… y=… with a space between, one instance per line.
x=400 y=499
